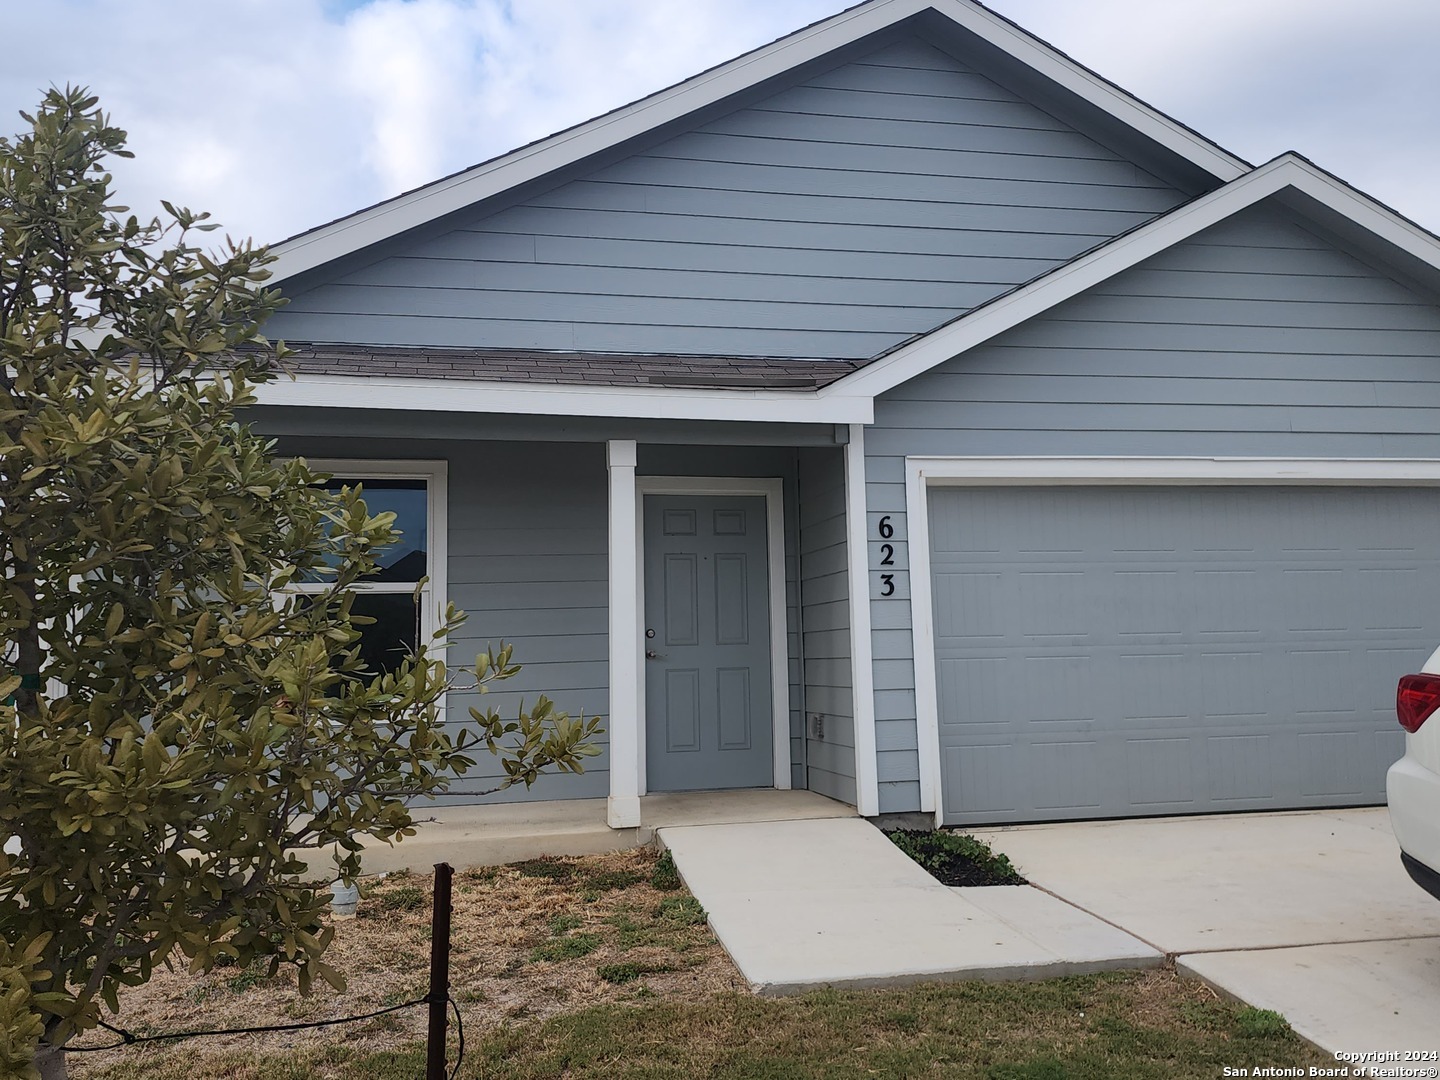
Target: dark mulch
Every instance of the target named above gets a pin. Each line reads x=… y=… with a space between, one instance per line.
x=956 y=858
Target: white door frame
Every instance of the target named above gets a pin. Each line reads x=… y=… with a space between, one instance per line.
x=923 y=473
x=772 y=490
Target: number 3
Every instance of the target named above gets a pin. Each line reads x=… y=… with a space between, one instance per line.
x=887 y=584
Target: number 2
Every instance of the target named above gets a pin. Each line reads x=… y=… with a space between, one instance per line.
x=887 y=554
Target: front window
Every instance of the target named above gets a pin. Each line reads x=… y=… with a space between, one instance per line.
x=414 y=493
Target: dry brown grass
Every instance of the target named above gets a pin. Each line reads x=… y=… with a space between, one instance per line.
x=529 y=941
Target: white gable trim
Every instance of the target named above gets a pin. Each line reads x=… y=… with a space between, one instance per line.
x=319 y=246
x=550 y=399
x=1286 y=172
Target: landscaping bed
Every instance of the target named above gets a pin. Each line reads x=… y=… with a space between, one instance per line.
x=956 y=858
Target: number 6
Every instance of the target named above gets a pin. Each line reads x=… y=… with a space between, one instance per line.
x=886 y=529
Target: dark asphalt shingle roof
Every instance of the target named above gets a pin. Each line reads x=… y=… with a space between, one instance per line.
x=568 y=368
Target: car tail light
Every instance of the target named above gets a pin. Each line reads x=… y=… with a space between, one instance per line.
x=1415 y=699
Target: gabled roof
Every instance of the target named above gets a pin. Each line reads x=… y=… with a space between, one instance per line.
x=1354 y=217
x=350 y=234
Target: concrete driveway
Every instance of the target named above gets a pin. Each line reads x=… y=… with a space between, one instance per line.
x=1308 y=913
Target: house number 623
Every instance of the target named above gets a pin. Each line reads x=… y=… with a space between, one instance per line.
x=887 y=556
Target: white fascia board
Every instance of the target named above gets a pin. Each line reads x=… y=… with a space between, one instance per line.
x=1171 y=471
x=549 y=399
x=1286 y=172
x=319 y=246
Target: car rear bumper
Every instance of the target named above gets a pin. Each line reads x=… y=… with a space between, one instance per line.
x=1413 y=792
x=1422 y=875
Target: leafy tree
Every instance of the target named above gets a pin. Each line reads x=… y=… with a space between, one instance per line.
x=179 y=719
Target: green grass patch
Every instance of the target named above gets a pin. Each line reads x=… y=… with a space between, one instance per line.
x=546 y=867
x=563 y=924
x=253 y=975
x=1261 y=1024
x=630 y=970
x=612 y=880
x=681 y=911
x=402 y=898
x=664 y=876
x=566 y=948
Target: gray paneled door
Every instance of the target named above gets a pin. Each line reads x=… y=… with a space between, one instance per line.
x=1123 y=651
x=707 y=667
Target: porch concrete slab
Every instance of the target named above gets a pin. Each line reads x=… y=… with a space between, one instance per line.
x=736 y=807
x=1242 y=881
x=832 y=902
x=488 y=835
x=1371 y=995
x=467 y=836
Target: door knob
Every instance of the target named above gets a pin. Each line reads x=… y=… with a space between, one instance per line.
x=651 y=654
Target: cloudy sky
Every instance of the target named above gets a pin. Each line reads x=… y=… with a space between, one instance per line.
x=278 y=115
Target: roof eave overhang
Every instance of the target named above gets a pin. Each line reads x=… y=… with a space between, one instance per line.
x=307 y=251
x=480 y=396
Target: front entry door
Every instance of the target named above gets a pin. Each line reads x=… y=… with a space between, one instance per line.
x=707 y=644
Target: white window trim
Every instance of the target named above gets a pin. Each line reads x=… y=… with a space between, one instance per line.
x=772 y=490
x=435 y=473
x=923 y=473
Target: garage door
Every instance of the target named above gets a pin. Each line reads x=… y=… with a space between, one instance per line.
x=1122 y=651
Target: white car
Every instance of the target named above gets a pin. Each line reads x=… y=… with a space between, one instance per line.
x=1413 y=783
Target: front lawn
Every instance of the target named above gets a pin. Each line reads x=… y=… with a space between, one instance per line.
x=603 y=967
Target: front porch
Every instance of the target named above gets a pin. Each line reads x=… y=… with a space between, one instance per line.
x=509 y=832
x=690 y=584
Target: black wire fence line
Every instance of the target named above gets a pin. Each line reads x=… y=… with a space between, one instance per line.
x=129 y=1038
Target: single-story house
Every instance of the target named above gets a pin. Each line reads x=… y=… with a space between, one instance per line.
x=903 y=412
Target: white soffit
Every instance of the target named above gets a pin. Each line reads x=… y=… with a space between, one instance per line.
x=549 y=399
x=1289 y=172
x=350 y=234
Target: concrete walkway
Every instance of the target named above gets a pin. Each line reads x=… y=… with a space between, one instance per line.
x=800 y=904
x=1309 y=914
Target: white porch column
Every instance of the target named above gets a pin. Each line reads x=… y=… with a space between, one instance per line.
x=857 y=550
x=623 y=807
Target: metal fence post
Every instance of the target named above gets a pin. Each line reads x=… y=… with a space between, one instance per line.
x=439 y=996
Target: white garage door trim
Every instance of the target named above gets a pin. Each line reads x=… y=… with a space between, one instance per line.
x=922 y=473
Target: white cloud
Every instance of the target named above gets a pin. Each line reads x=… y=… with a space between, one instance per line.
x=279 y=115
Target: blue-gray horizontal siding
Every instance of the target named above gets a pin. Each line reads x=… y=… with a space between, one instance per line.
x=1254 y=338
x=527 y=560
x=528 y=535
x=835 y=218
x=825 y=612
